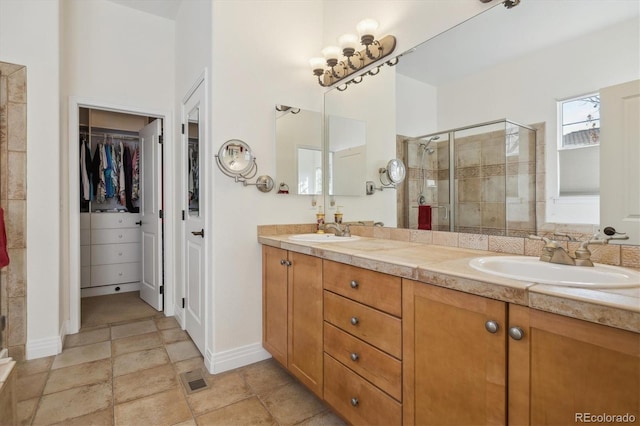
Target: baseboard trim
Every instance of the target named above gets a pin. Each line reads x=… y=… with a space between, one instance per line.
x=41 y=348
x=235 y=358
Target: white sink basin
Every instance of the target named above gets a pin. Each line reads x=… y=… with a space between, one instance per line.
x=321 y=238
x=527 y=268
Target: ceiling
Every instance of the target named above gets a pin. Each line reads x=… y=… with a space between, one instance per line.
x=164 y=8
x=500 y=34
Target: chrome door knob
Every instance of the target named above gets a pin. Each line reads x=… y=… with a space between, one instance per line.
x=491 y=326
x=354 y=356
x=354 y=402
x=354 y=284
x=516 y=333
x=354 y=320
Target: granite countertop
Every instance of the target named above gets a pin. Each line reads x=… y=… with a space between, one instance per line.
x=449 y=267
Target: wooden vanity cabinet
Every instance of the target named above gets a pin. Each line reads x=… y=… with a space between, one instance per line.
x=454 y=368
x=565 y=369
x=363 y=344
x=292 y=313
x=537 y=368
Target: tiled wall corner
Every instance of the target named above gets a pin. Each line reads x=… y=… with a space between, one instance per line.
x=13 y=199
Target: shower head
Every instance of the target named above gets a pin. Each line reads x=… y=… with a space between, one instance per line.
x=433 y=138
x=425 y=146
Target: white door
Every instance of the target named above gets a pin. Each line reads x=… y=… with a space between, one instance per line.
x=620 y=157
x=151 y=281
x=193 y=214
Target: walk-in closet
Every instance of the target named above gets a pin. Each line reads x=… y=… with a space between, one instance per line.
x=111 y=195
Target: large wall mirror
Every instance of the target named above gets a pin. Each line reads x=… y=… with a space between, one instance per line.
x=298 y=151
x=498 y=76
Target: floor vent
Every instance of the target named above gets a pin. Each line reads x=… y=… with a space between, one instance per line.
x=193 y=381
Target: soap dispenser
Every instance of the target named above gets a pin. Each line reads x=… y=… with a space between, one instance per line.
x=337 y=217
x=320 y=221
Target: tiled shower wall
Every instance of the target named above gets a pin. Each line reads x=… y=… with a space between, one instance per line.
x=13 y=199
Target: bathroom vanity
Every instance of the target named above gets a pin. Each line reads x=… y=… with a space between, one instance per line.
x=397 y=332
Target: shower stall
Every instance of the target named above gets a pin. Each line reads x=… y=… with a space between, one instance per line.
x=476 y=179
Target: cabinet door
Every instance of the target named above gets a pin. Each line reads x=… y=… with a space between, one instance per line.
x=274 y=303
x=305 y=320
x=454 y=369
x=577 y=371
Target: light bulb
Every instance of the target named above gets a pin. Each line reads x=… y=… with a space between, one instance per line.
x=317 y=63
x=367 y=28
x=331 y=52
x=348 y=41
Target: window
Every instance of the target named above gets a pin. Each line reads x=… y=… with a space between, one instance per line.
x=579 y=146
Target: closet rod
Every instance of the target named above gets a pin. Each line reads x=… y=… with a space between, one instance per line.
x=112 y=135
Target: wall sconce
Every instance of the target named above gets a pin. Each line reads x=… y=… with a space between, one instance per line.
x=339 y=62
x=390 y=176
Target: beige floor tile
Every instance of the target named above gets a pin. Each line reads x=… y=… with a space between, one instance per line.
x=180 y=351
x=26 y=409
x=190 y=422
x=114 y=308
x=224 y=389
x=189 y=365
x=166 y=408
x=143 y=383
x=247 y=412
x=99 y=418
x=173 y=335
x=136 y=361
x=31 y=386
x=82 y=354
x=88 y=373
x=328 y=418
x=133 y=329
x=76 y=402
x=167 y=322
x=87 y=337
x=34 y=366
x=292 y=403
x=265 y=376
x=136 y=343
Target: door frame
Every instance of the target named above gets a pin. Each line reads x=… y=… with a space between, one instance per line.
x=168 y=168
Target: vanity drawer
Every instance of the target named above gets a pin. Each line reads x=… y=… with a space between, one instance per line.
x=111 y=236
x=382 y=370
x=114 y=220
x=375 y=289
x=106 y=254
x=378 y=328
x=115 y=274
x=357 y=400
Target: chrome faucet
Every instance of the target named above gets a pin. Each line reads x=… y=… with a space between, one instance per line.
x=553 y=252
x=339 y=231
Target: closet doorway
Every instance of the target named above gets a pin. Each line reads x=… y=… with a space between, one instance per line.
x=121 y=220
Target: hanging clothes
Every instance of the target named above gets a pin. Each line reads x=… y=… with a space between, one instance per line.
x=122 y=181
x=135 y=166
x=85 y=170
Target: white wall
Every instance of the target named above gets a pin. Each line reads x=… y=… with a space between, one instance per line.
x=29 y=36
x=526 y=90
x=416 y=107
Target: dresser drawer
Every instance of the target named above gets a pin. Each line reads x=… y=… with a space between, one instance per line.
x=357 y=400
x=114 y=220
x=106 y=254
x=85 y=256
x=378 y=328
x=111 y=236
x=85 y=237
x=382 y=370
x=378 y=290
x=115 y=274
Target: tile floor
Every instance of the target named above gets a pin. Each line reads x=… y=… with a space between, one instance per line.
x=128 y=373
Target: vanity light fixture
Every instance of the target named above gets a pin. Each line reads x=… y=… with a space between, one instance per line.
x=286 y=108
x=236 y=160
x=390 y=176
x=339 y=62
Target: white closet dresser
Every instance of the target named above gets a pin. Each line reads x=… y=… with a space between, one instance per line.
x=113 y=256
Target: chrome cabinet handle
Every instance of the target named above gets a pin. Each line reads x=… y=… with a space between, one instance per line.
x=491 y=326
x=139 y=223
x=354 y=357
x=354 y=284
x=516 y=333
x=283 y=262
x=288 y=262
x=200 y=232
x=354 y=320
x=354 y=401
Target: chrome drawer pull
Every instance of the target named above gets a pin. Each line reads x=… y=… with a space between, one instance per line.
x=491 y=326
x=354 y=321
x=354 y=356
x=516 y=333
x=354 y=284
x=354 y=402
